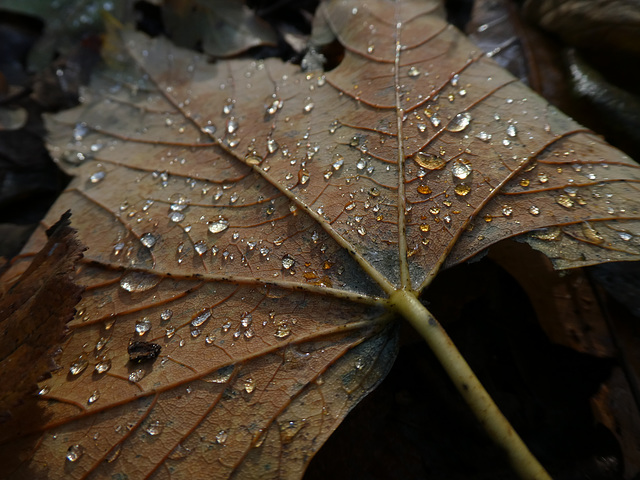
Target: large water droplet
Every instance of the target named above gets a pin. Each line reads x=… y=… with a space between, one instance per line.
x=221 y=437
x=249 y=385
x=462 y=189
x=511 y=130
x=143 y=326
x=148 y=240
x=460 y=169
x=136 y=375
x=98 y=176
x=459 y=122
x=139 y=281
x=78 y=366
x=201 y=318
x=219 y=225
x=103 y=366
x=272 y=145
x=288 y=262
x=428 y=161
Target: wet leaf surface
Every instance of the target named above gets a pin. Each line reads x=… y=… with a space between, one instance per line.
x=250 y=219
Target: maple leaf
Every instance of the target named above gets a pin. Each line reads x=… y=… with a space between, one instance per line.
x=255 y=230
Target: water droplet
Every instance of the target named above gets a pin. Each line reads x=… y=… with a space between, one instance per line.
x=625 y=236
x=219 y=225
x=74 y=453
x=459 y=122
x=139 y=281
x=79 y=131
x=435 y=120
x=543 y=177
x=461 y=169
x=200 y=247
x=232 y=125
x=136 y=375
x=511 y=130
x=179 y=452
x=97 y=176
x=170 y=331
x=155 y=428
x=462 y=189
x=371 y=48
x=148 y=240
x=413 y=72
x=288 y=262
x=103 y=366
x=252 y=159
x=533 y=210
x=339 y=161
x=176 y=216
x=288 y=430
x=524 y=182
x=282 y=331
x=201 y=318
x=221 y=375
x=209 y=129
x=78 y=366
x=308 y=106
x=303 y=176
x=428 y=161
x=272 y=145
x=143 y=326
x=424 y=189
x=591 y=233
x=249 y=385
x=507 y=210
x=44 y=390
x=114 y=454
x=424 y=227
x=221 y=437
x=484 y=136
x=361 y=230
x=564 y=201
x=94 y=397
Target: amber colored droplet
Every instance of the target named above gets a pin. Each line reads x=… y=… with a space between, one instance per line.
x=424 y=190
x=309 y=275
x=424 y=227
x=430 y=162
x=524 y=182
x=462 y=189
x=488 y=218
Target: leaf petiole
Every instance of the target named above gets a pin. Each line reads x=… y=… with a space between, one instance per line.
x=486 y=411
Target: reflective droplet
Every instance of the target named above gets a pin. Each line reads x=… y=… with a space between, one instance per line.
x=219 y=225
x=462 y=189
x=288 y=430
x=103 y=366
x=461 y=169
x=200 y=247
x=79 y=131
x=484 y=136
x=524 y=182
x=533 y=210
x=272 y=145
x=339 y=161
x=424 y=190
x=288 y=262
x=221 y=375
x=136 y=375
x=74 y=453
x=303 y=176
x=413 y=72
x=176 y=216
x=459 y=122
x=564 y=201
x=78 y=366
x=424 y=227
x=97 y=176
x=591 y=233
x=221 y=437
x=428 y=161
x=166 y=315
x=94 y=397
x=249 y=385
x=232 y=125
x=170 y=331
x=114 y=454
x=143 y=326
x=625 y=236
x=282 y=331
x=209 y=129
x=435 y=120
x=511 y=130
x=252 y=159
x=139 y=281
x=507 y=210
x=361 y=230
x=201 y=318
x=308 y=106
x=44 y=390
x=155 y=428
x=148 y=240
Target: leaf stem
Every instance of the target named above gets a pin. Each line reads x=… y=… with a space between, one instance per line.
x=486 y=411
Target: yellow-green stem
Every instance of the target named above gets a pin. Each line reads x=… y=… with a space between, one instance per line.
x=483 y=406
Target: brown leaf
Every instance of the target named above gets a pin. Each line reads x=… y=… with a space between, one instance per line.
x=253 y=219
x=34 y=311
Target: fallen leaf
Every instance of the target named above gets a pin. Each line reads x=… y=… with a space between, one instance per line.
x=33 y=313
x=253 y=220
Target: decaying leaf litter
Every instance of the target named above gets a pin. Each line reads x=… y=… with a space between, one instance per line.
x=224 y=241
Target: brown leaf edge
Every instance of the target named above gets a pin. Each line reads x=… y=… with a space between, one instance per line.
x=34 y=311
